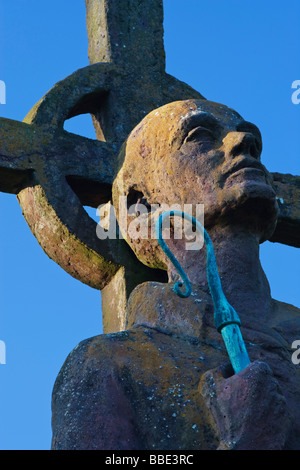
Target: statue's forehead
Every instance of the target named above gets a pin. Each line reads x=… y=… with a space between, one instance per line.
x=187 y=115
x=209 y=110
x=170 y=123
x=182 y=115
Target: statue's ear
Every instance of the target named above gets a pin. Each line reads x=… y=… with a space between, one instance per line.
x=136 y=200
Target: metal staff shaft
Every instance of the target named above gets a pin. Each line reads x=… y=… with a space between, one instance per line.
x=226 y=319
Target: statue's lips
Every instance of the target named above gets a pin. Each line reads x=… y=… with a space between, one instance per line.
x=247 y=169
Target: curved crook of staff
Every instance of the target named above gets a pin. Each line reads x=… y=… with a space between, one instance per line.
x=226 y=319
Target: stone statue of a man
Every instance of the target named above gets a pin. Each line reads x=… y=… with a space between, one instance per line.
x=165 y=382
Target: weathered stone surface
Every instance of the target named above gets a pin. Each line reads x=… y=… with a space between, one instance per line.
x=131 y=390
x=129 y=36
x=62 y=172
x=246 y=406
x=55 y=173
x=117 y=92
x=148 y=387
x=287 y=189
x=126 y=33
x=188 y=152
x=102 y=395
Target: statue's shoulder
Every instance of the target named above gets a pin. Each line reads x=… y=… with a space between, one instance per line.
x=95 y=361
x=101 y=349
x=286 y=319
x=91 y=409
x=283 y=309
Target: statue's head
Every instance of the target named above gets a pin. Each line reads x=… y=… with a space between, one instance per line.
x=195 y=152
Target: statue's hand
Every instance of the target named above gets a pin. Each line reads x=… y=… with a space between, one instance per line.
x=248 y=408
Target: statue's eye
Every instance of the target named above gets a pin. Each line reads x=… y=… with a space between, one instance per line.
x=200 y=134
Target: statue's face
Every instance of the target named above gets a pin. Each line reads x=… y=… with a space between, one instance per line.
x=217 y=161
x=199 y=152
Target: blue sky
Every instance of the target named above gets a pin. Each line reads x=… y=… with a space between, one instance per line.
x=243 y=54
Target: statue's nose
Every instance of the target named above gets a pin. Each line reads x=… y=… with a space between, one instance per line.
x=242 y=143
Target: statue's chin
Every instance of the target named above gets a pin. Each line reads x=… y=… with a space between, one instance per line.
x=251 y=204
x=254 y=189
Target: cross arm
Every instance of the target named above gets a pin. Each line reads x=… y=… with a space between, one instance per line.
x=25 y=148
x=16 y=143
x=287 y=188
x=35 y=164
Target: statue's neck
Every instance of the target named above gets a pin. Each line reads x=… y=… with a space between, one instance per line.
x=243 y=280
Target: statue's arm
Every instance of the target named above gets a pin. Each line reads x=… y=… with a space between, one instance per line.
x=90 y=410
x=248 y=408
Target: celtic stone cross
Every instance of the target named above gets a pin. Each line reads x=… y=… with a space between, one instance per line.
x=55 y=173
